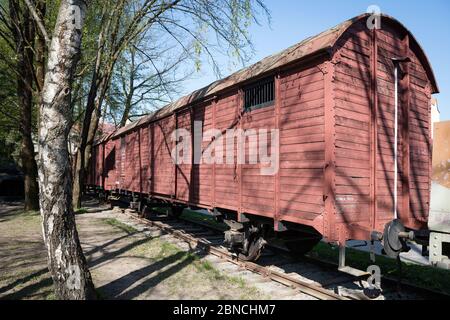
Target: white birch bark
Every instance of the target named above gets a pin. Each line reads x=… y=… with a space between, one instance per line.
x=66 y=261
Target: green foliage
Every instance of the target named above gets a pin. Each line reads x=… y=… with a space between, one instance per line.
x=9 y=111
x=168 y=40
x=81 y=211
x=10 y=124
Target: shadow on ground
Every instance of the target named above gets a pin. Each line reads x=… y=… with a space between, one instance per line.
x=124 y=264
x=20 y=279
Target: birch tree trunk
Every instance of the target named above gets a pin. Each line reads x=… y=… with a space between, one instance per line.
x=67 y=263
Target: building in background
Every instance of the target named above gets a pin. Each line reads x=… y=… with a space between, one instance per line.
x=441 y=153
x=435 y=114
x=440 y=185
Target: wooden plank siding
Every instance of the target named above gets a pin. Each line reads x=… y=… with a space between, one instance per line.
x=162 y=171
x=353 y=127
x=335 y=114
x=420 y=142
x=118 y=164
x=183 y=171
x=110 y=165
x=258 y=191
x=98 y=173
x=389 y=46
x=132 y=169
x=302 y=143
x=226 y=187
x=91 y=168
x=201 y=183
x=144 y=150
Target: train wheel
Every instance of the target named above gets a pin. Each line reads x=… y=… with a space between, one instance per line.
x=255 y=247
x=143 y=208
x=176 y=211
x=393 y=245
x=295 y=242
x=301 y=247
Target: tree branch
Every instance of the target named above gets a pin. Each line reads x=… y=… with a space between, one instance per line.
x=38 y=22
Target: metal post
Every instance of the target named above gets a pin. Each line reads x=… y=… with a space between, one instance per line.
x=395 y=141
x=396 y=61
x=341 y=256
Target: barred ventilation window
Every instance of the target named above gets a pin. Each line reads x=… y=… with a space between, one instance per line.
x=260 y=94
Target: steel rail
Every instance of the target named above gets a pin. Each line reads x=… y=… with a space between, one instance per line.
x=303 y=286
x=393 y=281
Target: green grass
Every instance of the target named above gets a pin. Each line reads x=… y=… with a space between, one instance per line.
x=240 y=282
x=31 y=216
x=120 y=225
x=51 y=296
x=206 y=265
x=193 y=216
x=196 y=217
x=423 y=276
x=166 y=250
x=157 y=250
x=213 y=274
x=198 y=274
x=29 y=213
x=81 y=210
x=208 y=268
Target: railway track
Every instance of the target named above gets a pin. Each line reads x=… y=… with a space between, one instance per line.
x=339 y=281
x=211 y=244
x=312 y=277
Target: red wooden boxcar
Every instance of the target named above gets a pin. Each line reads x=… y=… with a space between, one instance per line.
x=332 y=99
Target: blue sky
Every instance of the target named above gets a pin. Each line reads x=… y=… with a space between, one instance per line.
x=294 y=20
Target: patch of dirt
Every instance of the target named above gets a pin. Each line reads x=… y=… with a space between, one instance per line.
x=124 y=263
x=23 y=257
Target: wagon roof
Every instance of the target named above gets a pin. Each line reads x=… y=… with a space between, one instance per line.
x=309 y=47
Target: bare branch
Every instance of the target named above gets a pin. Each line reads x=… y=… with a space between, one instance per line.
x=38 y=21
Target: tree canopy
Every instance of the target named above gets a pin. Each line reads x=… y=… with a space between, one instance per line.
x=66 y=66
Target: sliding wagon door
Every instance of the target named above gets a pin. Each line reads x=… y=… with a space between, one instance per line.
x=131 y=166
x=257 y=187
x=144 y=149
x=302 y=146
x=110 y=166
x=183 y=170
x=202 y=172
x=162 y=167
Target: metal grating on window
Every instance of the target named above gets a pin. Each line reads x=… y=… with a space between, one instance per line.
x=259 y=95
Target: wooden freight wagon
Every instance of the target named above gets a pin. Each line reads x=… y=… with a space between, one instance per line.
x=333 y=100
